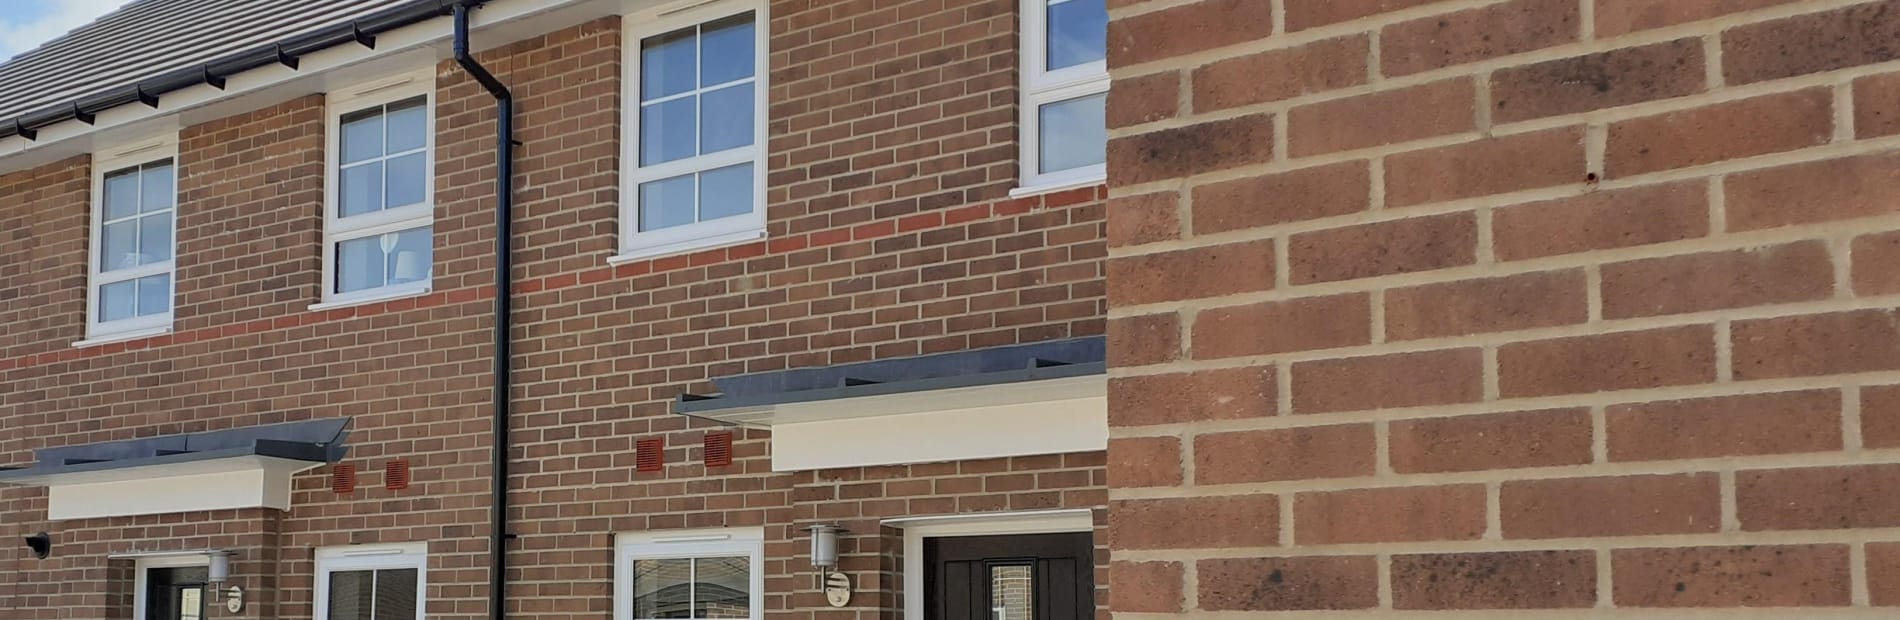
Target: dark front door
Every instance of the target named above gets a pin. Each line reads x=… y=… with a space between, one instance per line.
x=175 y=593
x=1025 y=577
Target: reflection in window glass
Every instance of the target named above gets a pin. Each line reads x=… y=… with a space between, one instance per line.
x=384 y=594
x=692 y=588
x=383 y=260
x=352 y=595
x=722 y=588
x=134 y=237
x=1078 y=32
x=1012 y=592
x=662 y=588
x=1074 y=133
x=383 y=163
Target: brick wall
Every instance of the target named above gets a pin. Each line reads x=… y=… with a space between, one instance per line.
x=1519 y=304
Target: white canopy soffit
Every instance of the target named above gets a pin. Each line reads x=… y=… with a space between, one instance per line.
x=1040 y=398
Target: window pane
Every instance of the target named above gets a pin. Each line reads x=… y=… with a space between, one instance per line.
x=191 y=603
x=1074 y=133
x=117 y=300
x=155 y=294
x=359 y=265
x=666 y=131
x=396 y=594
x=730 y=50
x=362 y=190
x=727 y=119
x=1078 y=32
x=412 y=259
x=662 y=588
x=156 y=189
x=351 y=595
x=155 y=237
x=722 y=588
x=362 y=136
x=667 y=64
x=118 y=246
x=1012 y=593
x=406 y=182
x=408 y=126
x=122 y=194
x=665 y=204
x=725 y=192
x=389 y=258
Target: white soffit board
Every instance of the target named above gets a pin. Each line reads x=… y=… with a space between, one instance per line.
x=947 y=431
x=253 y=482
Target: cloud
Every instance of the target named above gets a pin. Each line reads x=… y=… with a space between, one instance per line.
x=51 y=19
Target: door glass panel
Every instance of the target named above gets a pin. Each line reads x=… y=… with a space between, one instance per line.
x=1012 y=592
x=191 y=604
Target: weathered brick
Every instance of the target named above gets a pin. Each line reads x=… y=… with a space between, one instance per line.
x=1597 y=81
x=1485 y=167
x=1880 y=416
x=1144 y=218
x=1388 y=381
x=1135 y=462
x=1800 y=271
x=1284 y=454
x=1145 y=99
x=1186 y=29
x=1384 y=117
x=1302 y=324
x=1146 y=587
x=1818 y=498
x=1877 y=106
x=1383 y=248
x=1615 y=17
x=1268 y=199
x=1179 y=152
x=1304 y=14
x=1191 y=396
x=1602 y=220
x=1496 y=441
x=1816 y=344
x=1611 y=506
x=1835 y=189
x=1846 y=37
x=1143 y=340
x=1473 y=35
x=1604 y=362
x=1288 y=584
x=1398 y=514
x=1722 y=131
x=1744 y=425
x=1192 y=273
x=1220 y=522
x=1496 y=580
x=1883 y=573
x=1274 y=75
x=1753 y=576
x=1876 y=260
x=1524 y=301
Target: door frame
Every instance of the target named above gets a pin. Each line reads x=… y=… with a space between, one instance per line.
x=142 y=565
x=916 y=529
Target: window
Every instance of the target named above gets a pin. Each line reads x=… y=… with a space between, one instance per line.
x=135 y=201
x=371 y=583
x=1065 y=93
x=689 y=574
x=697 y=173
x=379 y=213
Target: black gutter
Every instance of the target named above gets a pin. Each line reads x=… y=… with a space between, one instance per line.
x=361 y=31
x=504 y=311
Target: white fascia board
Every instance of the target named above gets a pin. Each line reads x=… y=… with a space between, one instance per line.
x=220 y=484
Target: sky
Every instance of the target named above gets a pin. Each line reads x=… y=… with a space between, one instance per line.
x=25 y=24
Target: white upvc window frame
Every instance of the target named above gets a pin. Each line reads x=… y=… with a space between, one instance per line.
x=337 y=229
x=1040 y=87
x=687 y=544
x=637 y=245
x=371 y=558
x=134 y=155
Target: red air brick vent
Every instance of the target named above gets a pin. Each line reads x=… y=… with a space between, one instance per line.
x=718 y=449
x=396 y=475
x=649 y=455
x=342 y=478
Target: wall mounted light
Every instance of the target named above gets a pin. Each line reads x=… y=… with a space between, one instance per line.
x=824 y=546
x=219 y=567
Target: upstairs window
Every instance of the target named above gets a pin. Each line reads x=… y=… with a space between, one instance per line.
x=695 y=130
x=1065 y=93
x=380 y=213
x=135 y=200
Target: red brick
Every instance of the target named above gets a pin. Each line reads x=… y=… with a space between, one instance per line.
x=1780 y=274
x=1496 y=441
x=1288 y=584
x=1145 y=587
x=1497 y=580
x=1876 y=260
x=1753 y=576
x=1383 y=248
x=1524 y=301
x=1303 y=324
x=1611 y=506
x=1304 y=14
x=1186 y=29
x=1883 y=573
x=1816 y=344
x=1383 y=117
x=1822 y=191
x=1388 y=381
x=1144 y=99
x=1193 y=273
x=1268 y=199
x=1722 y=131
x=1274 y=75
x=1811 y=43
x=1145 y=218
x=1219 y=522
x=1597 y=81
x=1485 y=167
x=1144 y=462
x=1818 y=498
x=1191 y=396
x=1602 y=220
x=1284 y=454
x=1605 y=362
x=1877 y=106
x=1400 y=514
x=1880 y=416
x=1143 y=340
x=1180 y=152
x=1477 y=34
x=1615 y=17
x=1745 y=425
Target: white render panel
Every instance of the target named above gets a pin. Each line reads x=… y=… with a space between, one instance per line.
x=949 y=432
x=259 y=483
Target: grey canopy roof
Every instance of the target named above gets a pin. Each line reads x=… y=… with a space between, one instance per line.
x=315 y=441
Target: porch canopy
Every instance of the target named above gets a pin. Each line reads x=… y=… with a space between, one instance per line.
x=1039 y=398
x=216 y=470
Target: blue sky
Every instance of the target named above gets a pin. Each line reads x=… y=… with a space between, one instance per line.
x=27 y=23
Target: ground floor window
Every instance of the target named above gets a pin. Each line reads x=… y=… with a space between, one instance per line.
x=382 y=582
x=689 y=574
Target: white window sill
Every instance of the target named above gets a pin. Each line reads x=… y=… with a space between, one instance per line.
x=686 y=247
x=1050 y=188
x=110 y=338
x=371 y=299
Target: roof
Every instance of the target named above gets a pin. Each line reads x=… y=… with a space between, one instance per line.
x=315 y=441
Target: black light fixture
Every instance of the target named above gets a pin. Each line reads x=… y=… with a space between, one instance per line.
x=41 y=544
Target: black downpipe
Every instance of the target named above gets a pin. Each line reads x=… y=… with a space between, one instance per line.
x=504 y=307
